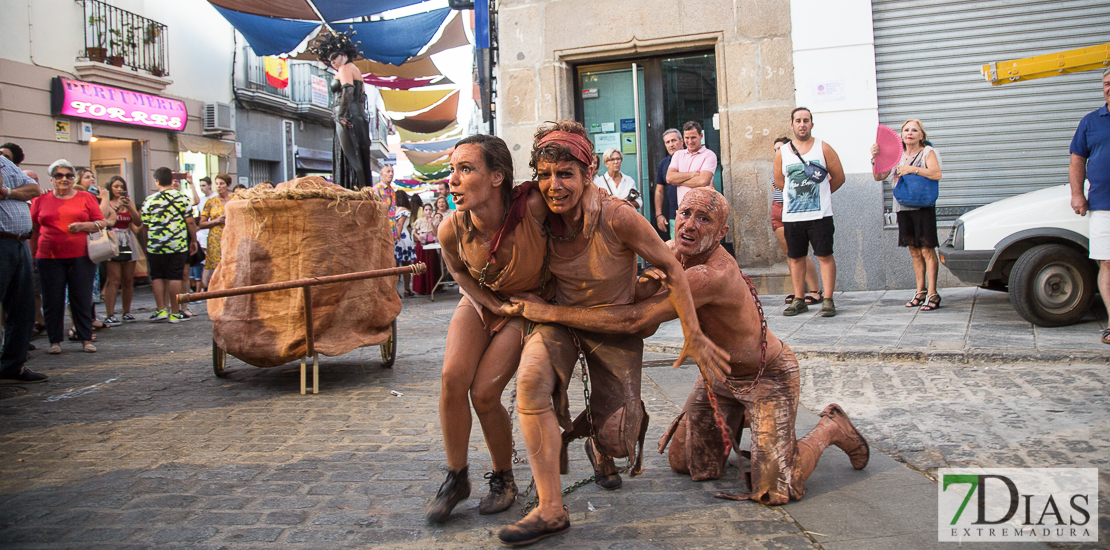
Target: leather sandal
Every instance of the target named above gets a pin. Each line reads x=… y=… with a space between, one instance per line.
x=810 y=300
x=533 y=529
x=917 y=300
x=932 y=303
x=789 y=299
x=605 y=472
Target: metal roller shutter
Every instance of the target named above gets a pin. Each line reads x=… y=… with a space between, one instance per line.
x=994 y=141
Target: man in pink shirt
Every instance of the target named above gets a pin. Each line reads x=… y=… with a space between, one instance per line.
x=693 y=166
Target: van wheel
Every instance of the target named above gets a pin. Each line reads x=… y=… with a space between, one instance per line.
x=1051 y=285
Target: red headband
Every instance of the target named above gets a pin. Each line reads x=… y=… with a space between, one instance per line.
x=579 y=146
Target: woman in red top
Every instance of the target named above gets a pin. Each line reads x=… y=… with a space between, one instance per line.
x=60 y=221
x=121 y=269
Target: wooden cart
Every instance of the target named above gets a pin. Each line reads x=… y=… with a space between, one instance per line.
x=388 y=346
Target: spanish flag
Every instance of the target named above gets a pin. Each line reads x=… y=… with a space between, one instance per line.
x=277 y=72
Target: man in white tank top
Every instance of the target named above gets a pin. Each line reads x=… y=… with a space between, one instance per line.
x=808 y=171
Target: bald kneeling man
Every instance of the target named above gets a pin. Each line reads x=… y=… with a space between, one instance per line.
x=764 y=388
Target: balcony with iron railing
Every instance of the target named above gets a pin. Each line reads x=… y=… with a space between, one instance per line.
x=297 y=97
x=124 y=39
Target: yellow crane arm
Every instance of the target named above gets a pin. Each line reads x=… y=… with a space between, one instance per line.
x=1050 y=64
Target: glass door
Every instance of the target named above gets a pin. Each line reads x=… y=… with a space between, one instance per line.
x=614 y=113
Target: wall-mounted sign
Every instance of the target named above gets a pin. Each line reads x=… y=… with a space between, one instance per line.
x=606 y=141
x=608 y=127
x=628 y=125
x=319 y=91
x=595 y=128
x=589 y=93
x=61 y=129
x=628 y=143
x=104 y=103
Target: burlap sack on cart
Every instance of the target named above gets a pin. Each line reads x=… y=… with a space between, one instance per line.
x=303 y=228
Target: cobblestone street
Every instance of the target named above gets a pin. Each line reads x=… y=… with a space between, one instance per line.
x=140 y=445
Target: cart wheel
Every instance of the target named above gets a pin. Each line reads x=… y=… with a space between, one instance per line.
x=389 y=348
x=219 y=360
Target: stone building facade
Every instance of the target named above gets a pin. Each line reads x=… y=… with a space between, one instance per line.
x=543 y=43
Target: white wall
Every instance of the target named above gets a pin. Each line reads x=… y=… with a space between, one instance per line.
x=50 y=34
x=834 y=75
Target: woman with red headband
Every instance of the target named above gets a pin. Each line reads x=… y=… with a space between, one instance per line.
x=594 y=241
x=494 y=246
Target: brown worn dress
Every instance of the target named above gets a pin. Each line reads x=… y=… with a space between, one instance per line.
x=771 y=408
x=516 y=269
x=602 y=274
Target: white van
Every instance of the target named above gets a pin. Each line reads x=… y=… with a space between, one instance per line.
x=1033 y=246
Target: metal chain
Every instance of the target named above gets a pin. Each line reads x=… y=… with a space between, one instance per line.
x=762 y=366
x=529 y=505
x=762 y=344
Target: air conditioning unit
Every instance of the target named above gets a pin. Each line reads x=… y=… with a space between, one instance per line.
x=218 y=117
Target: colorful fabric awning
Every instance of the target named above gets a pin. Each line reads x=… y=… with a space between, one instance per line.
x=453 y=36
x=408 y=137
x=395 y=83
x=428 y=157
x=432 y=146
x=409 y=101
x=448 y=108
x=332 y=10
x=415 y=69
x=424 y=126
x=412 y=186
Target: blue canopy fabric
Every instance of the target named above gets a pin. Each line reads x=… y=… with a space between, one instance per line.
x=337 y=10
x=395 y=40
x=266 y=35
x=431 y=147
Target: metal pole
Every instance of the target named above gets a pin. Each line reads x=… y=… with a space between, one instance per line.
x=636 y=117
x=416 y=269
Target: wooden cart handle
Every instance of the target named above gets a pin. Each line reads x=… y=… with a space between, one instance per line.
x=416 y=269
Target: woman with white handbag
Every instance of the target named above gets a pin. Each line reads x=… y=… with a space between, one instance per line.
x=121 y=268
x=61 y=222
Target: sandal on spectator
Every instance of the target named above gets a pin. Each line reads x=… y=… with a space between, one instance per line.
x=1106 y=336
x=810 y=300
x=789 y=298
x=917 y=300
x=932 y=303
x=73 y=337
x=88 y=347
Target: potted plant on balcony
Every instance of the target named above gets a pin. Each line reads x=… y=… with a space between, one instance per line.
x=157 y=71
x=115 y=47
x=153 y=31
x=98 y=52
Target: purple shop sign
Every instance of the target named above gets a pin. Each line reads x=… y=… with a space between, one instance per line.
x=104 y=103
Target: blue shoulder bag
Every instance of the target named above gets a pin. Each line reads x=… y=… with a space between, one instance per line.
x=916 y=191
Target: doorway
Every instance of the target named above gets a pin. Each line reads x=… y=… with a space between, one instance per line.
x=613 y=112
x=668 y=91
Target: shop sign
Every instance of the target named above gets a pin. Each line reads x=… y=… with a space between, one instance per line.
x=104 y=103
x=319 y=91
x=628 y=125
x=61 y=129
x=589 y=93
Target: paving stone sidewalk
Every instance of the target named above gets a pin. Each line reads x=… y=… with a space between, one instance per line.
x=140 y=446
x=971 y=325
